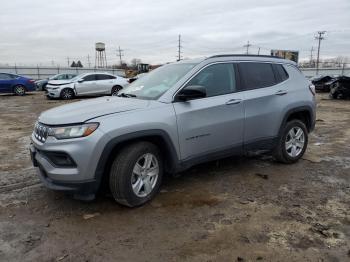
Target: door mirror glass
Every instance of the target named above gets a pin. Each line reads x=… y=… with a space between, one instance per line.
x=191 y=92
x=80 y=80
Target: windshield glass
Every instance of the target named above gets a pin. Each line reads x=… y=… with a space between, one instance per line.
x=76 y=78
x=156 y=83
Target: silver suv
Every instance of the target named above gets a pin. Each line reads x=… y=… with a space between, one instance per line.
x=177 y=116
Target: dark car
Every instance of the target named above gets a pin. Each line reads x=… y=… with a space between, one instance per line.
x=340 y=87
x=41 y=84
x=19 y=85
x=322 y=83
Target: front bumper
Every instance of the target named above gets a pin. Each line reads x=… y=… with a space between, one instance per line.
x=80 y=175
x=54 y=93
x=85 y=187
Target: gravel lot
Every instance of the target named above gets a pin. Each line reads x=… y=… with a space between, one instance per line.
x=236 y=209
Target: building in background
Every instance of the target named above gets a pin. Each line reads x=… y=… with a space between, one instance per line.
x=286 y=54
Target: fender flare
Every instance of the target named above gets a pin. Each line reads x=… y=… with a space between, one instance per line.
x=172 y=158
x=296 y=110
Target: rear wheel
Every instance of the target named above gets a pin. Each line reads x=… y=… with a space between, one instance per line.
x=292 y=142
x=115 y=90
x=136 y=174
x=19 y=90
x=67 y=93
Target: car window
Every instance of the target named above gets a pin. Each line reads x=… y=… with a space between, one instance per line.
x=217 y=79
x=89 y=78
x=282 y=74
x=60 y=77
x=104 y=77
x=5 y=77
x=257 y=75
x=70 y=76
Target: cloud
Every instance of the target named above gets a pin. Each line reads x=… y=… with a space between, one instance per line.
x=39 y=31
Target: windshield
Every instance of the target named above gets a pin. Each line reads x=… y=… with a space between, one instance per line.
x=76 y=78
x=156 y=83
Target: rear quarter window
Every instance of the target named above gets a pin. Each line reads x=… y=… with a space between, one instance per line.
x=281 y=73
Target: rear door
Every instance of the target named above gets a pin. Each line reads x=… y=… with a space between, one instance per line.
x=265 y=97
x=214 y=124
x=88 y=86
x=105 y=83
x=6 y=83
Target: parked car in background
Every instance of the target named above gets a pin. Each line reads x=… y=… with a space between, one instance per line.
x=88 y=84
x=322 y=83
x=19 y=85
x=340 y=87
x=41 y=84
x=177 y=116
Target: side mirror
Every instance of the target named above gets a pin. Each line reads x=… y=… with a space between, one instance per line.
x=80 y=80
x=191 y=92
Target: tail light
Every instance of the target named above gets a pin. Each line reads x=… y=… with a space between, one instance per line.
x=312 y=89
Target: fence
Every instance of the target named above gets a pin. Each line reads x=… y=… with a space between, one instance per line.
x=45 y=72
x=310 y=72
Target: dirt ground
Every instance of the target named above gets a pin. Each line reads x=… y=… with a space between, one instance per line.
x=236 y=209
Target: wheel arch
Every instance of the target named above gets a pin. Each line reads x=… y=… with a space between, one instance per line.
x=303 y=113
x=156 y=136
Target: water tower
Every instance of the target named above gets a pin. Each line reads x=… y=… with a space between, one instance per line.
x=100 y=56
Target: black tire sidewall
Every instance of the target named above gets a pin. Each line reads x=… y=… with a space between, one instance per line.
x=115 y=89
x=67 y=98
x=287 y=128
x=124 y=176
x=19 y=86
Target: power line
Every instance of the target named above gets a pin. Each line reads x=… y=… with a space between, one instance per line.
x=247 y=46
x=319 y=37
x=179 y=49
x=120 y=54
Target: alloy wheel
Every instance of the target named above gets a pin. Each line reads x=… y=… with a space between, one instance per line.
x=295 y=142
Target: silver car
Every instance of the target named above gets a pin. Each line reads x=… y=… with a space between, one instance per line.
x=177 y=116
x=88 y=84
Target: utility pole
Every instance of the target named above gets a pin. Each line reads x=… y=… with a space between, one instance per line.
x=68 y=61
x=259 y=51
x=89 y=63
x=179 y=49
x=319 y=37
x=120 y=54
x=247 y=46
x=311 y=58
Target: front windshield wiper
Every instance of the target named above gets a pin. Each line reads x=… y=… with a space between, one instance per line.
x=126 y=95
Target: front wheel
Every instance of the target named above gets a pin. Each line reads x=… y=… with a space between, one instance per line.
x=115 y=90
x=136 y=174
x=292 y=142
x=19 y=90
x=67 y=93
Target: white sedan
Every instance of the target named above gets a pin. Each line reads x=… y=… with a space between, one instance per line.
x=89 y=84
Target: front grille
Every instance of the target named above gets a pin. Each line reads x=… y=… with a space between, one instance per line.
x=41 y=132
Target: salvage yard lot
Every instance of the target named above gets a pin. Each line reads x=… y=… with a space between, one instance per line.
x=234 y=209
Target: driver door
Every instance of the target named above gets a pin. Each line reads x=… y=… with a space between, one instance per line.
x=214 y=124
x=87 y=86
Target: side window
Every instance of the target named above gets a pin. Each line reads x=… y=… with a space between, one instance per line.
x=5 y=77
x=257 y=75
x=218 y=79
x=282 y=74
x=104 y=77
x=90 y=78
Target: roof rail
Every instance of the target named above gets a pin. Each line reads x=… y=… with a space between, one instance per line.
x=226 y=55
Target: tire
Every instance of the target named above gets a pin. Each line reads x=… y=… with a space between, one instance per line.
x=115 y=90
x=123 y=176
x=19 y=90
x=296 y=148
x=67 y=93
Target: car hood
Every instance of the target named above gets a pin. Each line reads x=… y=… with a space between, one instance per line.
x=59 y=82
x=82 y=111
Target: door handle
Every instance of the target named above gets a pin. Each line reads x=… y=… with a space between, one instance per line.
x=233 y=101
x=281 y=92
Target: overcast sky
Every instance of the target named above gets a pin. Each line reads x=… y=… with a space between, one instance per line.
x=46 y=32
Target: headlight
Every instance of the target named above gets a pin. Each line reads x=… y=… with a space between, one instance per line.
x=66 y=132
